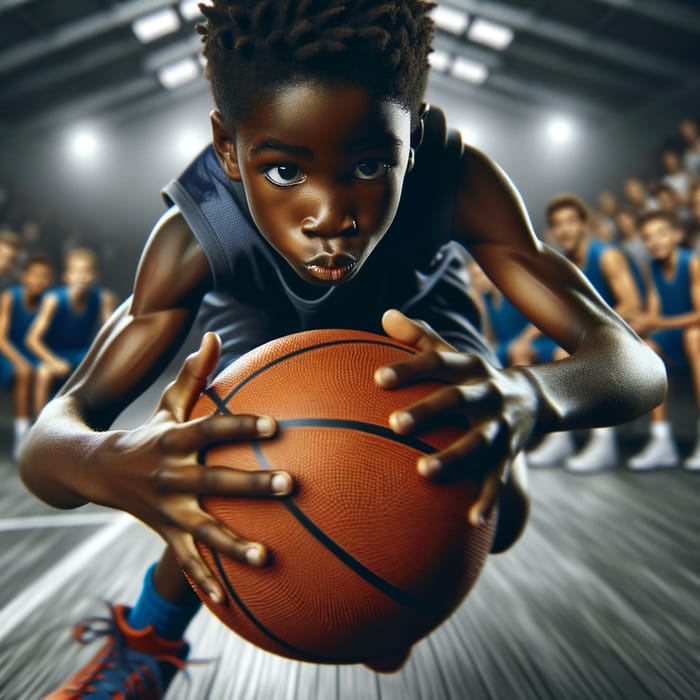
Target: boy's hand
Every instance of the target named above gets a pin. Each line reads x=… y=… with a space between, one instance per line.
x=499 y=407
x=152 y=472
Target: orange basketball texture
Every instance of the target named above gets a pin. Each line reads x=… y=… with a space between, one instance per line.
x=367 y=555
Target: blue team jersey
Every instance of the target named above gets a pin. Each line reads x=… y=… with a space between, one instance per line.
x=72 y=330
x=506 y=321
x=593 y=271
x=674 y=293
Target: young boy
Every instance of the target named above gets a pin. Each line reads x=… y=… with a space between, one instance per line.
x=329 y=195
x=18 y=308
x=607 y=269
x=10 y=245
x=671 y=326
x=67 y=322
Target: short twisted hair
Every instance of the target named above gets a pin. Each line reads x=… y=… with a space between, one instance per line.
x=254 y=47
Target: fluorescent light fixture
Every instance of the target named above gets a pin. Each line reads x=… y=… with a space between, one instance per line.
x=468 y=70
x=497 y=36
x=155 y=25
x=560 y=130
x=189 y=9
x=450 y=19
x=439 y=60
x=176 y=74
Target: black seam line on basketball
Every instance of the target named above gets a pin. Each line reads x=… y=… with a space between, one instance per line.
x=248 y=613
x=396 y=594
x=301 y=351
x=221 y=406
x=359 y=426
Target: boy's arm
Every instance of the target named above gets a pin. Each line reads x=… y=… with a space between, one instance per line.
x=70 y=456
x=7 y=348
x=618 y=275
x=37 y=331
x=610 y=377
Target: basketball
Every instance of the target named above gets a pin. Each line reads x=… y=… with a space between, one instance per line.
x=367 y=555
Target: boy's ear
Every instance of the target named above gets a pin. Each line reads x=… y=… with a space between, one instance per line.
x=225 y=146
x=417 y=136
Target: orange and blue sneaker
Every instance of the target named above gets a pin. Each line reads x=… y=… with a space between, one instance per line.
x=131 y=665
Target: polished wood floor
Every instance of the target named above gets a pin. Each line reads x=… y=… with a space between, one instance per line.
x=600 y=600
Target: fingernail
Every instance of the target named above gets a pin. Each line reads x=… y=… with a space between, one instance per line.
x=265 y=425
x=281 y=483
x=215 y=596
x=385 y=376
x=429 y=466
x=401 y=421
x=255 y=555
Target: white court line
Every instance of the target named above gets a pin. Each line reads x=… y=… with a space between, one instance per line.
x=36 y=522
x=58 y=575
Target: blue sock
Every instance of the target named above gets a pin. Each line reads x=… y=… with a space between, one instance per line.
x=168 y=619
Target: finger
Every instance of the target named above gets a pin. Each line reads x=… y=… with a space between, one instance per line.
x=197 y=434
x=223 y=481
x=412 y=332
x=192 y=378
x=449 y=367
x=474 y=455
x=473 y=401
x=480 y=511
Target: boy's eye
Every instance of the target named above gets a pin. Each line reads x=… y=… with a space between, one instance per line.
x=284 y=175
x=371 y=169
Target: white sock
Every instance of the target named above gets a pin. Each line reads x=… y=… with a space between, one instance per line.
x=660 y=430
x=21 y=427
x=607 y=433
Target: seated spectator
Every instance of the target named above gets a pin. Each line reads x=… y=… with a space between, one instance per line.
x=608 y=271
x=630 y=241
x=18 y=308
x=691 y=154
x=603 y=220
x=676 y=176
x=10 y=244
x=670 y=202
x=694 y=234
x=671 y=326
x=637 y=196
x=67 y=322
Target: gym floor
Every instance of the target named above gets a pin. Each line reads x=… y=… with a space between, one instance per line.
x=598 y=601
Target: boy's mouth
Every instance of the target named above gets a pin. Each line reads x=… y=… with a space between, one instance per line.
x=331 y=268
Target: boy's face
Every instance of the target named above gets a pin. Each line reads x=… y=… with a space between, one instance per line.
x=660 y=238
x=568 y=228
x=8 y=257
x=323 y=167
x=36 y=279
x=79 y=273
x=634 y=191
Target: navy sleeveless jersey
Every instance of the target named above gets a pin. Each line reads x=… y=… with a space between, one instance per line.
x=257 y=296
x=70 y=329
x=674 y=293
x=506 y=321
x=20 y=319
x=593 y=272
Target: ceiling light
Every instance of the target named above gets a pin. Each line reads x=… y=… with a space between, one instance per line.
x=175 y=74
x=471 y=71
x=157 y=24
x=84 y=143
x=189 y=9
x=497 y=36
x=450 y=19
x=439 y=60
x=560 y=130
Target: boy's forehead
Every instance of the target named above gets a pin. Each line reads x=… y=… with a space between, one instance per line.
x=310 y=111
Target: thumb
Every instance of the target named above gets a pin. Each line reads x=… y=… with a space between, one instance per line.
x=181 y=395
x=417 y=334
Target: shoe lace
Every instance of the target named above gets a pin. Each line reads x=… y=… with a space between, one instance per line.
x=119 y=669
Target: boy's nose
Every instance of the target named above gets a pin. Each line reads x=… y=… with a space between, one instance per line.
x=330 y=219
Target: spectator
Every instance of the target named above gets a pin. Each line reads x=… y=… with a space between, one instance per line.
x=10 y=244
x=637 y=196
x=691 y=155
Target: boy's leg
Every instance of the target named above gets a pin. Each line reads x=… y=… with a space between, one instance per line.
x=43 y=382
x=691 y=345
x=21 y=393
x=660 y=450
x=144 y=647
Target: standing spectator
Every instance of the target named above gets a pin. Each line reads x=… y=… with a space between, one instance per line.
x=18 y=308
x=609 y=272
x=671 y=326
x=67 y=322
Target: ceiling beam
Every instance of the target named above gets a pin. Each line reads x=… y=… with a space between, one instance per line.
x=74 y=32
x=667 y=12
x=565 y=34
